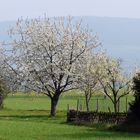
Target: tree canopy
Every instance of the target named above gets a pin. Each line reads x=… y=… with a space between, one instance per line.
x=46 y=53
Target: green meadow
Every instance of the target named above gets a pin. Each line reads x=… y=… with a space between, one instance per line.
x=42 y=102
x=27 y=118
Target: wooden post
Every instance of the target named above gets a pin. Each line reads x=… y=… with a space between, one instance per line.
x=97 y=105
x=109 y=109
x=77 y=105
x=84 y=105
x=68 y=108
x=80 y=107
x=126 y=104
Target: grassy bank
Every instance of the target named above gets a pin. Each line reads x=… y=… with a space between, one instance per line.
x=37 y=125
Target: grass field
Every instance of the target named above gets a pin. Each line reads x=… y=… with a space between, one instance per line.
x=27 y=118
x=28 y=102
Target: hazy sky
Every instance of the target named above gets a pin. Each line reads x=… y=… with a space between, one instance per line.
x=13 y=9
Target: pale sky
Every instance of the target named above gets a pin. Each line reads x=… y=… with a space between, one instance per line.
x=14 y=9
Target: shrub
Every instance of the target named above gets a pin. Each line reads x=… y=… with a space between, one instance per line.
x=3 y=92
x=135 y=105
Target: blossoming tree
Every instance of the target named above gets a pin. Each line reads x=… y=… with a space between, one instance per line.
x=46 y=53
x=115 y=83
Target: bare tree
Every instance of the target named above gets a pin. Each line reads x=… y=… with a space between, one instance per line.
x=46 y=53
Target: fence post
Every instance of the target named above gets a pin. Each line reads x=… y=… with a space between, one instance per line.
x=68 y=108
x=80 y=107
x=119 y=106
x=77 y=105
x=109 y=109
x=126 y=104
x=97 y=105
x=80 y=104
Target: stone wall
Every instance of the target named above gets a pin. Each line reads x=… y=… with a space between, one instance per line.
x=95 y=117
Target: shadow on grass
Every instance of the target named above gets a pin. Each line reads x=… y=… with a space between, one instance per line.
x=32 y=115
x=91 y=134
x=101 y=131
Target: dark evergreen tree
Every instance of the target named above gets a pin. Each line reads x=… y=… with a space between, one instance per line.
x=135 y=105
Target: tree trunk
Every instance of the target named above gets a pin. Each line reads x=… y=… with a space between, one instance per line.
x=115 y=107
x=87 y=99
x=87 y=105
x=54 y=101
x=115 y=103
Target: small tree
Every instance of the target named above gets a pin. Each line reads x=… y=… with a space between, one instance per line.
x=135 y=105
x=46 y=53
x=88 y=78
x=114 y=82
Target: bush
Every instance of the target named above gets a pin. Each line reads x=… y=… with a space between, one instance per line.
x=3 y=92
x=135 y=105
